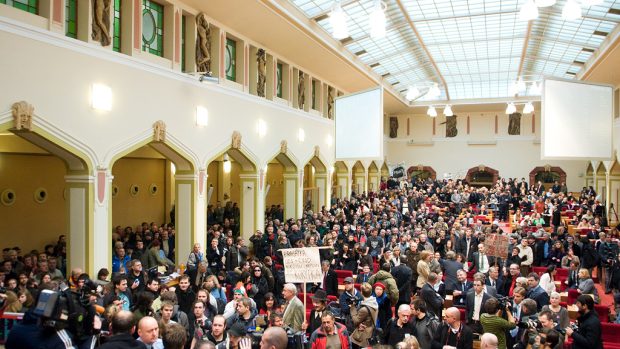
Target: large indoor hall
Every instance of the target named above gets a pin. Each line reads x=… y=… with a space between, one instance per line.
x=411 y=174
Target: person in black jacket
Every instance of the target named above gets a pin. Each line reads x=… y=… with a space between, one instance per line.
x=330 y=280
x=123 y=327
x=402 y=274
x=589 y=334
x=453 y=332
x=434 y=302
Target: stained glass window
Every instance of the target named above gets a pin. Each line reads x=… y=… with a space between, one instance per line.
x=153 y=28
x=31 y=6
x=279 y=80
x=230 y=59
x=71 y=19
x=116 y=35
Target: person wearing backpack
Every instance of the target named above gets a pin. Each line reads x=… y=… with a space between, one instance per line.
x=364 y=318
x=425 y=324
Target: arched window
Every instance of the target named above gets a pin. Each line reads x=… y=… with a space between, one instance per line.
x=547 y=175
x=421 y=172
x=482 y=176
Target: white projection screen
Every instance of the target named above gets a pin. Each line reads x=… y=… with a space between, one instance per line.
x=359 y=125
x=577 y=120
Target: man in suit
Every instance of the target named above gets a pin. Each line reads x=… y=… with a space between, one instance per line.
x=475 y=305
x=536 y=292
x=541 y=251
x=495 y=280
x=573 y=275
x=462 y=288
x=490 y=290
x=450 y=268
x=434 y=302
x=294 y=312
x=330 y=280
x=511 y=280
x=481 y=261
x=467 y=245
x=201 y=275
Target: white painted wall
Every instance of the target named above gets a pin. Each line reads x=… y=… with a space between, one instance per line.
x=512 y=156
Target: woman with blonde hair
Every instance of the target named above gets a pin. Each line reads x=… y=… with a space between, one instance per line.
x=423 y=268
x=409 y=343
x=586 y=284
x=13 y=305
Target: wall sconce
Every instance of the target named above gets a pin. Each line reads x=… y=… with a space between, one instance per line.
x=101 y=97
x=261 y=128
x=329 y=140
x=301 y=135
x=202 y=116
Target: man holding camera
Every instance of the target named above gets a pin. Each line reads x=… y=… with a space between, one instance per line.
x=350 y=296
x=493 y=322
x=588 y=335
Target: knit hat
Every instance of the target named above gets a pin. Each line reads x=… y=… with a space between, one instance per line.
x=379 y=284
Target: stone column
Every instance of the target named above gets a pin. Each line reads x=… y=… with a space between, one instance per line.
x=80 y=230
x=185 y=210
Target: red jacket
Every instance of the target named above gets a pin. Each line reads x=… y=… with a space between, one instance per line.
x=318 y=340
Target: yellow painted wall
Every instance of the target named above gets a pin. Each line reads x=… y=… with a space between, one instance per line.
x=275 y=178
x=214 y=179
x=130 y=210
x=32 y=225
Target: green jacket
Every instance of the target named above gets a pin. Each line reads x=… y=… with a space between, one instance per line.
x=387 y=279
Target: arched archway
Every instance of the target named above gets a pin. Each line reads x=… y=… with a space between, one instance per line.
x=46 y=175
x=600 y=180
x=155 y=181
x=283 y=183
x=374 y=177
x=547 y=175
x=315 y=184
x=340 y=180
x=421 y=172
x=482 y=176
x=589 y=177
x=359 y=177
x=240 y=184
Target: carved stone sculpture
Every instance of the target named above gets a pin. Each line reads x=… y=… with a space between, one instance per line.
x=236 y=140
x=330 y=103
x=301 y=90
x=101 y=22
x=261 y=62
x=393 y=126
x=283 y=146
x=514 y=124
x=22 y=115
x=203 y=44
x=451 y=130
x=159 y=131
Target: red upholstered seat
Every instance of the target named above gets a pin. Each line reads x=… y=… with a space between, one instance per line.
x=603 y=313
x=572 y=296
x=463 y=314
x=375 y=267
x=343 y=274
x=611 y=335
x=539 y=270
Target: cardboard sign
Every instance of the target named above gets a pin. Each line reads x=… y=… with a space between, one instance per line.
x=496 y=245
x=302 y=265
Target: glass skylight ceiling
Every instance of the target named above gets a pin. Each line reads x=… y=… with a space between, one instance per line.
x=476 y=44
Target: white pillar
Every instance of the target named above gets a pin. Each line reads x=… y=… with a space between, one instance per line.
x=200 y=218
x=184 y=214
x=80 y=247
x=102 y=237
x=248 y=204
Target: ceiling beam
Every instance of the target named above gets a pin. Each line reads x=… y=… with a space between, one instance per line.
x=526 y=42
x=565 y=42
x=417 y=34
x=343 y=4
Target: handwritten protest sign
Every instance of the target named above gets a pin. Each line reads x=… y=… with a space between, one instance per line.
x=302 y=265
x=496 y=245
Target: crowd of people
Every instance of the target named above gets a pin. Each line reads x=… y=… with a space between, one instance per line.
x=411 y=247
